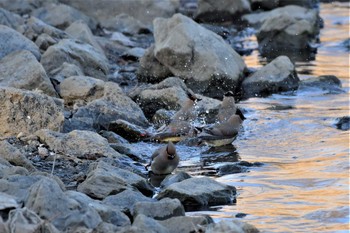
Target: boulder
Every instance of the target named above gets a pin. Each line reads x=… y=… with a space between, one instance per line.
x=202 y=58
x=87 y=58
x=186 y=224
x=329 y=83
x=343 y=123
x=78 y=143
x=231 y=226
x=202 y=191
x=144 y=224
x=288 y=29
x=10 y=19
x=303 y=3
x=61 y=16
x=264 y=4
x=24 y=7
x=174 y=178
x=64 y=71
x=14 y=156
x=221 y=11
x=104 y=179
x=7 y=202
x=27 y=112
x=161 y=210
x=12 y=40
x=277 y=76
x=128 y=25
x=31 y=76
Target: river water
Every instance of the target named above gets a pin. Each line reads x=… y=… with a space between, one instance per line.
x=304 y=183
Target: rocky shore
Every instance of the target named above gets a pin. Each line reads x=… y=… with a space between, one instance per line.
x=81 y=81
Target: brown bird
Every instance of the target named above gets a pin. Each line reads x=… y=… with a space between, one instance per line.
x=164 y=160
x=227 y=108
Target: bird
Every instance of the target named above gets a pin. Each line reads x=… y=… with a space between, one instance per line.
x=164 y=160
x=187 y=111
x=227 y=108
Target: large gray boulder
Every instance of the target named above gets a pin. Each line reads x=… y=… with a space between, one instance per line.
x=208 y=64
x=28 y=111
x=202 y=191
x=221 y=11
x=277 y=76
x=78 y=143
x=13 y=155
x=10 y=19
x=234 y=225
x=12 y=40
x=31 y=76
x=90 y=60
x=186 y=223
x=288 y=29
x=22 y=7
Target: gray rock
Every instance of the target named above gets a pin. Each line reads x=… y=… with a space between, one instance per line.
x=131 y=132
x=202 y=191
x=128 y=25
x=126 y=200
x=12 y=40
x=48 y=200
x=81 y=89
x=230 y=168
x=120 y=38
x=14 y=156
x=208 y=64
x=303 y=3
x=86 y=57
x=27 y=112
x=113 y=137
x=31 y=76
x=144 y=224
x=104 y=179
x=144 y=11
x=133 y=54
x=80 y=30
x=7 y=202
x=161 y=210
x=186 y=224
x=277 y=76
x=162 y=117
x=231 y=226
x=66 y=70
x=264 y=4
x=61 y=16
x=220 y=11
x=10 y=19
x=343 y=123
x=104 y=227
x=23 y=7
x=78 y=143
x=325 y=82
x=174 y=178
x=288 y=29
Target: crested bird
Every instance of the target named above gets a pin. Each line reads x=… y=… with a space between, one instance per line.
x=164 y=160
x=227 y=108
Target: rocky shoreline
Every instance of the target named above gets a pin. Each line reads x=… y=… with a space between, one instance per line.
x=79 y=86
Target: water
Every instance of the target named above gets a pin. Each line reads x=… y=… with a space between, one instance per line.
x=304 y=184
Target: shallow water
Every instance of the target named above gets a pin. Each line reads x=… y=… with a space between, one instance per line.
x=304 y=183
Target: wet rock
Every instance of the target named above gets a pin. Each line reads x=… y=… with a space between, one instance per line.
x=81 y=89
x=144 y=224
x=162 y=117
x=31 y=76
x=133 y=54
x=10 y=19
x=277 y=76
x=174 y=178
x=346 y=44
x=104 y=179
x=86 y=57
x=61 y=16
x=131 y=132
x=48 y=200
x=199 y=192
x=78 y=143
x=107 y=9
x=126 y=200
x=231 y=226
x=14 y=156
x=288 y=29
x=80 y=30
x=328 y=83
x=207 y=63
x=120 y=38
x=186 y=224
x=113 y=137
x=237 y=167
x=264 y=4
x=343 y=123
x=27 y=112
x=226 y=10
x=150 y=69
x=160 y=210
x=128 y=25
x=12 y=40
x=303 y=3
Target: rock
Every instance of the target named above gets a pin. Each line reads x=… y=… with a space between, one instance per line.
x=80 y=30
x=31 y=76
x=230 y=169
x=303 y=3
x=174 y=178
x=328 y=83
x=106 y=227
x=264 y=4
x=27 y=112
x=87 y=58
x=113 y=137
x=162 y=117
x=343 y=123
x=12 y=40
x=10 y=19
x=161 y=210
x=23 y=7
x=14 y=156
x=144 y=224
x=199 y=192
x=288 y=29
x=78 y=143
x=48 y=200
x=231 y=226
x=61 y=16
x=150 y=69
x=128 y=25
x=126 y=200
x=186 y=224
x=66 y=70
x=105 y=10
x=120 y=38
x=131 y=132
x=133 y=54
x=277 y=76
x=221 y=11
x=104 y=179
x=81 y=89
x=346 y=44
x=208 y=64
x=7 y=202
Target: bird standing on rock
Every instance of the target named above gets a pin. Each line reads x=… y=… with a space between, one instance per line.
x=227 y=108
x=164 y=160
